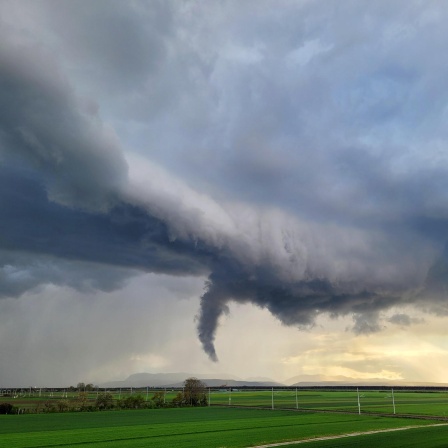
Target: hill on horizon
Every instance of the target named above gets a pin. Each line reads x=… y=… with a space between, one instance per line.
x=340 y=380
x=176 y=379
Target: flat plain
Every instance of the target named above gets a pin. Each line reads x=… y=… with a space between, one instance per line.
x=429 y=437
x=370 y=401
x=430 y=403
x=210 y=427
x=223 y=425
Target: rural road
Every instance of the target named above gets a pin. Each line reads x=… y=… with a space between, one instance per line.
x=340 y=436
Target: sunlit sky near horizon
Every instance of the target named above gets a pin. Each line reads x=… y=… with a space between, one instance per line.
x=252 y=188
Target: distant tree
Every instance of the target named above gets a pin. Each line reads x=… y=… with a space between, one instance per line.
x=159 y=399
x=104 y=401
x=82 y=400
x=62 y=405
x=195 y=392
x=89 y=387
x=81 y=387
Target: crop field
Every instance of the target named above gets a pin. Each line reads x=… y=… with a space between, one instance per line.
x=373 y=401
x=430 y=403
x=34 y=400
x=200 y=427
x=429 y=437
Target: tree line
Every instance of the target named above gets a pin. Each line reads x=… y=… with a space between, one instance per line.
x=193 y=394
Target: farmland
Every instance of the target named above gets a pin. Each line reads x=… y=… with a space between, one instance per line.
x=430 y=403
x=428 y=437
x=370 y=401
x=235 y=418
x=192 y=427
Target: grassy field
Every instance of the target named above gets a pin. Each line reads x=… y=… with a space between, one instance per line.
x=373 y=401
x=190 y=427
x=414 y=403
x=413 y=438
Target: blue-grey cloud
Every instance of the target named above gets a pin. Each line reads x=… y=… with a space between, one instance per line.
x=43 y=126
x=124 y=236
x=404 y=320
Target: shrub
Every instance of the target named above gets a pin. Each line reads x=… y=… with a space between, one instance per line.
x=178 y=400
x=158 y=399
x=49 y=406
x=6 y=408
x=62 y=405
x=132 y=402
x=104 y=401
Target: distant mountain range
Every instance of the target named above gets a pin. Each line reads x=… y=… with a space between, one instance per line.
x=226 y=380
x=340 y=380
x=177 y=379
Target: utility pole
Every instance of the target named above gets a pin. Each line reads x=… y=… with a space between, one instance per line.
x=393 y=399
x=359 y=403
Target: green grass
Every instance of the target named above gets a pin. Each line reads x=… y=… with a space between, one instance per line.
x=373 y=401
x=183 y=428
x=421 y=403
x=413 y=438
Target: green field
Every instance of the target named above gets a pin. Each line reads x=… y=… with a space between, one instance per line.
x=413 y=438
x=413 y=403
x=371 y=401
x=222 y=425
x=186 y=428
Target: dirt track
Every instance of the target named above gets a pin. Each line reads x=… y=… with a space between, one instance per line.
x=340 y=436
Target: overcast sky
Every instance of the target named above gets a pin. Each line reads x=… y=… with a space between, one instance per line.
x=258 y=188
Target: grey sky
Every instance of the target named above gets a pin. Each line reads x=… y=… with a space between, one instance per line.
x=290 y=156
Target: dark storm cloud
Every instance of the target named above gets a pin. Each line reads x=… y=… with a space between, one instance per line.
x=43 y=125
x=125 y=237
x=293 y=303
x=56 y=152
x=21 y=272
x=321 y=130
